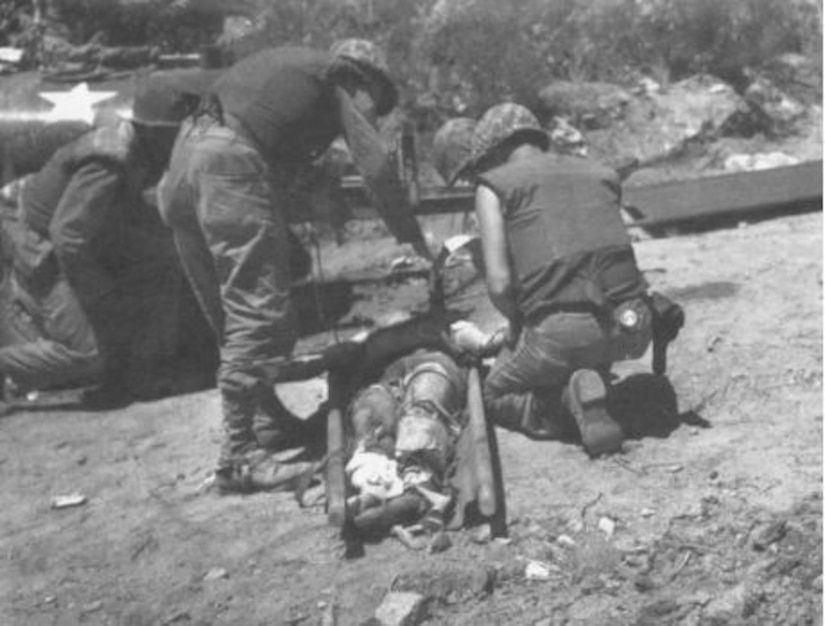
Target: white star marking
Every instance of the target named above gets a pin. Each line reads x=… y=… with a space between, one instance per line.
x=77 y=104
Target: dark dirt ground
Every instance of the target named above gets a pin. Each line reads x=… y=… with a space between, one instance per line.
x=713 y=516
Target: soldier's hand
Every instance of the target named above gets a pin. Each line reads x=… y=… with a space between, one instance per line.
x=423 y=250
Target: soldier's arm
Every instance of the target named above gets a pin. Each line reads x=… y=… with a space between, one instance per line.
x=496 y=259
x=78 y=220
x=380 y=175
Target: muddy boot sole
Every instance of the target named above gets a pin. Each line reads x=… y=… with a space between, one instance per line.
x=587 y=400
x=231 y=481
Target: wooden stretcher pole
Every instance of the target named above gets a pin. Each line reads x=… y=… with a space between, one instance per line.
x=335 y=478
x=482 y=455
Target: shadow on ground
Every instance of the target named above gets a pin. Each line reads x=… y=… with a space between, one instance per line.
x=646 y=406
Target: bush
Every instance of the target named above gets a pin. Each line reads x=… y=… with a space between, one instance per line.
x=461 y=56
x=507 y=50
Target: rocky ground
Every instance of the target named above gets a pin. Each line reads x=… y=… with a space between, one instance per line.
x=711 y=516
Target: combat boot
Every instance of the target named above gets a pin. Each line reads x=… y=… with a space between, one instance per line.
x=276 y=428
x=261 y=470
x=586 y=399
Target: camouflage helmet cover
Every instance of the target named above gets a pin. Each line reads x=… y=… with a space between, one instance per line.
x=451 y=147
x=369 y=58
x=502 y=122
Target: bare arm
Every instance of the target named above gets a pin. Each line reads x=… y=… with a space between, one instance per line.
x=496 y=255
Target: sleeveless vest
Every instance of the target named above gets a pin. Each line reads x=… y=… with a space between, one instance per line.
x=284 y=100
x=568 y=245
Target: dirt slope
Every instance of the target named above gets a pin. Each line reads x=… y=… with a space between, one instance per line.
x=714 y=515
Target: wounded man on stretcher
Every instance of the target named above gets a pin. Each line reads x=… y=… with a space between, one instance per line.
x=405 y=429
x=409 y=461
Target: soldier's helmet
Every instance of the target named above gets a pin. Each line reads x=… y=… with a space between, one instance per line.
x=451 y=147
x=368 y=57
x=502 y=123
x=167 y=100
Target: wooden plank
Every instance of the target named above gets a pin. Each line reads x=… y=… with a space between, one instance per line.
x=336 y=489
x=486 y=496
x=728 y=194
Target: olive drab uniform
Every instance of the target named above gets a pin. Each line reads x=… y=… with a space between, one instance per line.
x=45 y=338
x=226 y=196
x=95 y=265
x=574 y=271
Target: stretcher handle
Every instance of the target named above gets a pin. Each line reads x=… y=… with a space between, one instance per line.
x=335 y=477
x=486 y=496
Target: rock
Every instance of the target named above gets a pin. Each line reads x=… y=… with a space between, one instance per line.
x=585 y=105
x=657 y=612
x=483 y=534
x=216 y=573
x=68 y=501
x=776 y=112
x=536 y=570
x=658 y=126
x=729 y=606
x=566 y=541
x=700 y=598
x=448 y=582
x=329 y=613
x=754 y=162
x=607 y=526
x=767 y=534
x=92 y=607
x=646 y=85
x=401 y=608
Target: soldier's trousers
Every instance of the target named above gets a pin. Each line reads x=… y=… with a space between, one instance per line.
x=47 y=341
x=226 y=209
x=524 y=388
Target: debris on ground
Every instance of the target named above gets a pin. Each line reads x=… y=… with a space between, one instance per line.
x=68 y=501
x=216 y=573
x=401 y=608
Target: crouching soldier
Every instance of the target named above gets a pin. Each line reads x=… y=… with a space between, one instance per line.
x=94 y=276
x=560 y=268
x=46 y=340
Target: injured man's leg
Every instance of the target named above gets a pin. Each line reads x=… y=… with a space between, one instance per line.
x=405 y=431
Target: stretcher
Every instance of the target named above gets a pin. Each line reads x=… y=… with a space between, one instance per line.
x=476 y=478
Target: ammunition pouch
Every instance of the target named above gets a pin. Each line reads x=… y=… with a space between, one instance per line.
x=631 y=329
x=668 y=319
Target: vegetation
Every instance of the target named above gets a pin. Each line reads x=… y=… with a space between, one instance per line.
x=462 y=55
